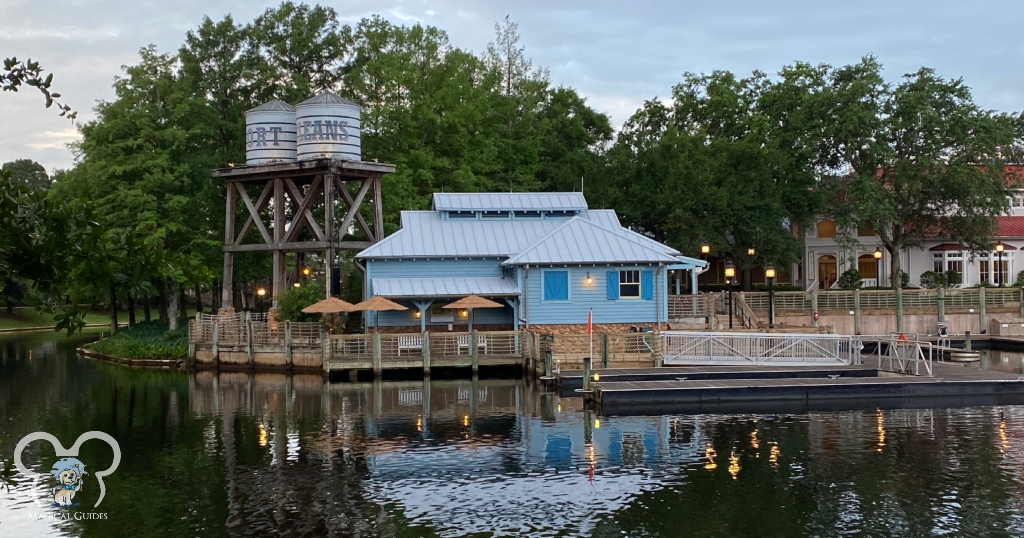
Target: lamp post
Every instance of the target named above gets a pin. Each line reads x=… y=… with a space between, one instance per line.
x=730 y=277
x=260 y=292
x=999 y=268
x=769 y=274
x=878 y=267
x=705 y=249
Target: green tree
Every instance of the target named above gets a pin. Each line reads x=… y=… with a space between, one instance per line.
x=16 y=73
x=912 y=160
x=29 y=173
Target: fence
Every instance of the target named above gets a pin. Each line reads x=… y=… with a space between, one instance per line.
x=843 y=300
x=246 y=338
x=689 y=306
x=609 y=349
x=431 y=348
x=681 y=348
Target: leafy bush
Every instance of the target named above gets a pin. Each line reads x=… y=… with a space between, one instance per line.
x=146 y=340
x=936 y=279
x=292 y=301
x=850 y=279
x=1020 y=280
x=953 y=279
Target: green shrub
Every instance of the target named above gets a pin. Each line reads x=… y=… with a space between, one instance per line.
x=850 y=279
x=292 y=301
x=932 y=280
x=1020 y=280
x=146 y=340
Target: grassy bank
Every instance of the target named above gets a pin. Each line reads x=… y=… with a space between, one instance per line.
x=146 y=340
x=29 y=318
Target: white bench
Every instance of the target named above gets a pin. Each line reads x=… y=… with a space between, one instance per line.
x=410 y=343
x=481 y=344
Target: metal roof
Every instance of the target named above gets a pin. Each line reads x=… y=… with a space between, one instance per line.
x=444 y=287
x=276 y=105
x=582 y=241
x=425 y=235
x=496 y=201
x=327 y=98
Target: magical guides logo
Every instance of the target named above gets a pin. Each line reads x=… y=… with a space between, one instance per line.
x=69 y=472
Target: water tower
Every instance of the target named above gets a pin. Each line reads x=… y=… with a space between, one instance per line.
x=303 y=171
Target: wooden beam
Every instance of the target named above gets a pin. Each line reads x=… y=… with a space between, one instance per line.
x=311 y=167
x=354 y=208
x=278 y=276
x=378 y=210
x=304 y=246
x=229 y=259
x=304 y=204
x=254 y=214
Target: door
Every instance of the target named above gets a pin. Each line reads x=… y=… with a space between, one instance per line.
x=827 y=271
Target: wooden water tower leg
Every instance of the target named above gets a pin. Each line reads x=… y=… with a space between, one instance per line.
x=378 y=211
x=227 y=298
x=329 y=231
x=279 y=209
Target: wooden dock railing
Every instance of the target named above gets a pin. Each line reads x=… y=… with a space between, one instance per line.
x=842 y=300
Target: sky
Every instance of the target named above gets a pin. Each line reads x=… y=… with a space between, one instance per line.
x=616 y=53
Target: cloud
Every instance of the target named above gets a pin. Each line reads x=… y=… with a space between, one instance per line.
x=54 y=139
x=616 y=53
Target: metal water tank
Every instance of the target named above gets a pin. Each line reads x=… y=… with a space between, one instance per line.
x=328 y=128
x=270 y=133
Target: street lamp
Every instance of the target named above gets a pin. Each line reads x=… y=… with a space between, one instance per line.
x=769 y=274
x=751 y=251
x=260 y=292
x=878 y=267
x=305 y=271
x=297 y=285
x=705 y=249
x=999 y=251
x=730 y=277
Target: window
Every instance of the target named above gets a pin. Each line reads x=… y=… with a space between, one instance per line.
x=937 y=263
x=826 y=228
x=867 y=266
x=556 y=285
x=561 y=214
x=983 y=271
x=629 y=284
x=461 y=215
x=439 y=314
x=527 y=214
x=955 y=262
x=495 y=214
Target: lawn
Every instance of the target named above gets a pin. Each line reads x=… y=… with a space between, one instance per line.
x=28 y=318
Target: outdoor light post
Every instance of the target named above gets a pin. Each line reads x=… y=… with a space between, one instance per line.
x=705 y=249
x=769 y=274
x=730 y=278
x=999 y=268
x=878 y=267
x=260 y=292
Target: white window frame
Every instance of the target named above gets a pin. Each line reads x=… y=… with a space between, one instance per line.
x=638 y=284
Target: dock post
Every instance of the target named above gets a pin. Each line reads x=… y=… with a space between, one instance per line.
x=249 y=351
x=324 y=348
x=604 y=350
x=941 y=302
x=856 y=311
x=288 y=343
x=586 y=373
x=1020 y=298
x=216 y=352
x=426 y=354
x=814 y=308
x=474 y=351
x=377 y=369
x=899 y=310
x=967 y=340
x=982 y=316
x=656 y=349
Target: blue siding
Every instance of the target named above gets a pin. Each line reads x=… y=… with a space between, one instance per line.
x=584 y=297
x=433 y=268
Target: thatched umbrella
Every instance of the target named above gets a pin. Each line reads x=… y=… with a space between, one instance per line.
x=330 y=305
x=469 y=303
x=377 y=304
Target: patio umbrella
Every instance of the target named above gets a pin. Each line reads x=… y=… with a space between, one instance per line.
x=377 y=304
x=330 y=305
x=470 y=302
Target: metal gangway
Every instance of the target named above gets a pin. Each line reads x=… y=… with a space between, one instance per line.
x=766 y=349
x=905 y=353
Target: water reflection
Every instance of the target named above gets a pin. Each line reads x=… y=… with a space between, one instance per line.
x=238 y=454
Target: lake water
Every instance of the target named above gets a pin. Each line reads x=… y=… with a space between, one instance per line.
x=273 y=455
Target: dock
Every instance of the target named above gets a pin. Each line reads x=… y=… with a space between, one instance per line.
x=750 y=387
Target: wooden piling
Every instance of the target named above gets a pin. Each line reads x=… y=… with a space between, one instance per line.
x=814 y=307
x=982 y=316
x=604 y=350
x=426 y=354
x=586 y=373
x=474 y=351
x=940 y=298
x=288 y=343
x=250 y=355
x=899 y=310
x=377 y=368
x=216 y=352
x=856 y=311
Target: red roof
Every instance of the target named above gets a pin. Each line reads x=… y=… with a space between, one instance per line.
x=1010 y=227
x=948 y=246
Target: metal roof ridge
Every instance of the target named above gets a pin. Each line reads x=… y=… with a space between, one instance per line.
x=514 y=260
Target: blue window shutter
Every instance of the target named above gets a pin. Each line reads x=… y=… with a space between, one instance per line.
x=647 y=285
x=556 y=285
x=613 y=285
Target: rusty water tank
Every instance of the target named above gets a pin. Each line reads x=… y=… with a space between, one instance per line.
x=327 y=127
x=270 y=133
